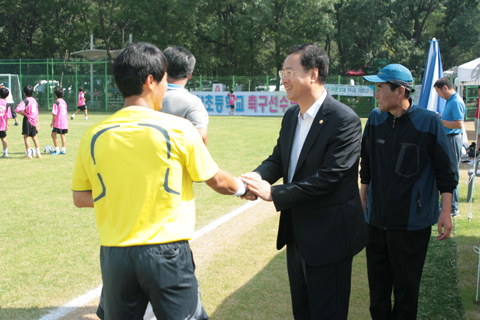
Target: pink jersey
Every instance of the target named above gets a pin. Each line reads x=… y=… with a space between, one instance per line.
x=9 y=112
x=29 y=108
x=231 y=99
x=59 y=109
x=3 y=115
x=81 y=99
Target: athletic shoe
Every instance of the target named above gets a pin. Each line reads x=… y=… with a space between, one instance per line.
x=86 y=118
x=5 y=155
x=73 y=116
x=455 y=213
x=27 y=157
x=16 y=124
x=38 y=156
x=54 y=153
x=61 y=152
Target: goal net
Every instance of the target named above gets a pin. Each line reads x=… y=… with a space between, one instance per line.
x=12 y=82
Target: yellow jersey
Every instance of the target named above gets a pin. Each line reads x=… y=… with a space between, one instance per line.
x=139 y=165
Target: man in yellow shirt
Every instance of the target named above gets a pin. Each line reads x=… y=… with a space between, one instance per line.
x=136 y=169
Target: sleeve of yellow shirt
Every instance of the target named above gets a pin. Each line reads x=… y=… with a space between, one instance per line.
x=80 y=179
x=198 y=161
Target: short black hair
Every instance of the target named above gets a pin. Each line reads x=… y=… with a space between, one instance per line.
x=28 y=90
x=134 y=64
x=443 y=82
x=181 y=62
x=80 y=89
x=395 y=86
x=4 y=92
x=312 y=56
x=59 y=92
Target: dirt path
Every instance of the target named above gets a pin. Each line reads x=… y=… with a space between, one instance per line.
x=203 y=248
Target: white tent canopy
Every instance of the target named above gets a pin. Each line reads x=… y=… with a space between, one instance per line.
x=466 y=75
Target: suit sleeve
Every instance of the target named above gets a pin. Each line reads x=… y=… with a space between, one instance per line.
x=365 y=155
x=340 y=159
x=271 y=168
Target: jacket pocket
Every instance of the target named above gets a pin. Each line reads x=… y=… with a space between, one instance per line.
x=408 y=160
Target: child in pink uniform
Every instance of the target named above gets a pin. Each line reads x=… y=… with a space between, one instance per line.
x=28 y=108
x=81 y=103
x=59 y=121
x=231 y=102
x=10 y=113
x=3 y=120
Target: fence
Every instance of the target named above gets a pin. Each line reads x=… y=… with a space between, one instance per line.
x=102 y=94
x=470 y=96
x=44 y=75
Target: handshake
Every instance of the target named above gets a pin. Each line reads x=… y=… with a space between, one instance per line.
x=257 y=188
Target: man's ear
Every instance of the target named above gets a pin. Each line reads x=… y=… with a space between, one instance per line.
x=190 y=76
x=149 y=83
x=313 y=74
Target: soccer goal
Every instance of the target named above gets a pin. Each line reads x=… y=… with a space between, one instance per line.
x=12 y=82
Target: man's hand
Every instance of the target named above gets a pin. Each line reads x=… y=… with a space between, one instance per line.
x=444 y=223
x=254 y=176
x=445 y=220
x=259 y=188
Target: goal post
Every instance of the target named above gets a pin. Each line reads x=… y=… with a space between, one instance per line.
x=12 y=82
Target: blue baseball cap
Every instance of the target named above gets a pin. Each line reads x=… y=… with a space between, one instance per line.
x=394 y=73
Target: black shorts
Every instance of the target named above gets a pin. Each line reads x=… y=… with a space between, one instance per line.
x=82 y=108
x=60 y=131
x=3 y=134
x=28 y=129
x=163 y=274
x=232 y=106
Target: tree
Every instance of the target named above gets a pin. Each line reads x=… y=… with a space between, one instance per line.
x=360 y=32
x=407 y=43
x=462 y=31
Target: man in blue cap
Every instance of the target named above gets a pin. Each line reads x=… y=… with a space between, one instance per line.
x=404 y=165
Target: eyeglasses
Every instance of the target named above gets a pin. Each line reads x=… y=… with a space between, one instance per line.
x=287 y=73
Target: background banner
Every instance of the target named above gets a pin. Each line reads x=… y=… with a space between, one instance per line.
x=274 y=103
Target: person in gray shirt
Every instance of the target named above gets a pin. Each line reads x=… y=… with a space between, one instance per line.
x=177 y=100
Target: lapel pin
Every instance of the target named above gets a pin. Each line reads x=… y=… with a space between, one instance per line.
x=321 y=121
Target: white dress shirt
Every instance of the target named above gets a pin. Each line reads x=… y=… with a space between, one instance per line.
x=304 y=124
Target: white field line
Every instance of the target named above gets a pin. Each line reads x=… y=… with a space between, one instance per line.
x=95 y=293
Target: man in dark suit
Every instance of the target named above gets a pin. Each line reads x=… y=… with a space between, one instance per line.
x=321 y=220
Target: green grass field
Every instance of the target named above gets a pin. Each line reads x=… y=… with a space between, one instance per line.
x=49 y=250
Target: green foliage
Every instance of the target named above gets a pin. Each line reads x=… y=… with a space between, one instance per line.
x=248 y=37
x=462 y=32
x=360 y=32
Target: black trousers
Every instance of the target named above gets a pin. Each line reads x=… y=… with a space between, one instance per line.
x=160 y=273
x=318 y=292
x=395 y=260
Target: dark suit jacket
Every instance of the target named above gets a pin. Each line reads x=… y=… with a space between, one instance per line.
x=321 y=207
